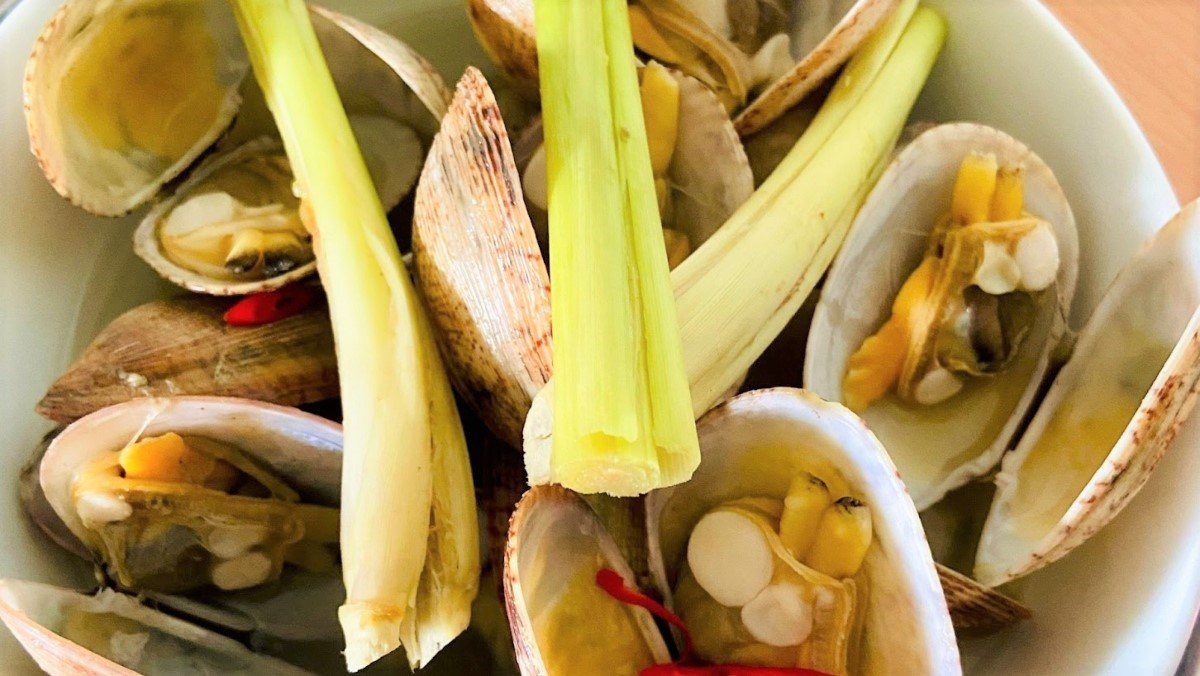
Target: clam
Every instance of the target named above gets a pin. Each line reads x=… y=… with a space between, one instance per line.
x=976 y=310
x=760 y=56
x=182 y=346
x=109 y=137
x=120 y=98
x=1110 y=414
x=478 y=265
x=762 y=571
x=561 y=622
x=701 y=168
x=233 y=227
x=111 y=634
x=179 y=494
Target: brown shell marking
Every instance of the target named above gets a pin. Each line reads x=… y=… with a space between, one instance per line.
x=1164 y=410
x=478 y=265
x=506 y=31
x=976 y=607
x=183 y=347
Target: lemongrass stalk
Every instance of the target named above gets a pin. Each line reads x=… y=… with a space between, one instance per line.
x=625 y=424
x=392 y=384
x=736 y=293
x=783 y=249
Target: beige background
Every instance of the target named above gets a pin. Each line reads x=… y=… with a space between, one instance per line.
x=1150 y=49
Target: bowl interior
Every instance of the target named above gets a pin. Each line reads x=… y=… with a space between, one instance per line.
x=1123 y=602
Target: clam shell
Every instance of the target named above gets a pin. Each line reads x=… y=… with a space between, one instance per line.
x=148 y=246
x=836 y=44
x=753 y=445
x=302 y=449
x=506 y=30
x=104 y=181
x=552 y=534
x=36 y=613
x=376 y=74
x=1151 y=306
x=478 y=265
x=184 y=347
x=885 y=244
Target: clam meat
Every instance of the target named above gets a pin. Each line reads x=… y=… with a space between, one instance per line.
x=174 y=495
x=794 y=545
x=939 y=316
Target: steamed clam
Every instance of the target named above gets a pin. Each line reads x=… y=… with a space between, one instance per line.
x=233 y=226
x=701 y=171
x=1110 y=414
x=172 y=495
x=111 y=634
x=940 y=315
x=793 y=545
x=761 y=57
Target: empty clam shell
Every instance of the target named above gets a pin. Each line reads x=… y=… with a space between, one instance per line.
x=753 y=445
x=940 y=447
x=555 y=547
x=111 y=634
x=823 y=35
x=1110 y=414
x=121 y=97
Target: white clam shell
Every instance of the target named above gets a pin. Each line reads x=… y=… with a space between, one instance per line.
x=148 y=246
x=101 y=180
x=752 y=445
x=377 y=76
x=1151 y=306
x=36 y=613
x=941 y=447
x=552 y=533
x=302 y=449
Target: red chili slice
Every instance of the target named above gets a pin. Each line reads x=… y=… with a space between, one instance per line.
x=270 y=306
x=612 y=584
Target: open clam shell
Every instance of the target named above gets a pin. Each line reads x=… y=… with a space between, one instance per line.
x=121 y=97
x=940 y=447
x=709 y=176
x=301 y=449
x=87 y=88
x=1110 y=414
x=111 y=634
x=753 y=445
x=395 y=100
x=558 y=616
x=824 y=34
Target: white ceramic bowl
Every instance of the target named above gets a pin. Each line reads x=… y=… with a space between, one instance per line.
x=1121 y=604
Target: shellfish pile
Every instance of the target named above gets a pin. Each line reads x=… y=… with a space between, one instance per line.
x=197 y=462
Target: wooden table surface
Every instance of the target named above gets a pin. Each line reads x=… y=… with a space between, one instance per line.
x=1150 y=49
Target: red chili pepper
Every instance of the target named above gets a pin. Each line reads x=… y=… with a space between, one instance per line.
x=270 y=306
x=612 y=584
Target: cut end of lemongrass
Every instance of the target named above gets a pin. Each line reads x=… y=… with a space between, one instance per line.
x=371 y=631
x=613 y=310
